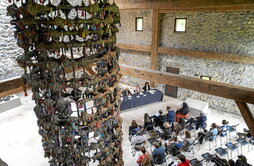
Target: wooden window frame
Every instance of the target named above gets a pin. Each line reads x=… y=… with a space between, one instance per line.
x=203 y=76
x=184 y=27
x=136 y=26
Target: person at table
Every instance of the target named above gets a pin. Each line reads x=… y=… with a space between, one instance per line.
x=138 y=89
x=126 y=92
x=146 y=87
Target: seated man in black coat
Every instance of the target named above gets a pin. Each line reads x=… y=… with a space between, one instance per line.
x=160 y=120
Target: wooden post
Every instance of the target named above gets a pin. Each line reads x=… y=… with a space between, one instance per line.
x=247 y=115
x=155 y=41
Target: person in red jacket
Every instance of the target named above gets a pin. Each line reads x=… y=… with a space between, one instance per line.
x=184 y=161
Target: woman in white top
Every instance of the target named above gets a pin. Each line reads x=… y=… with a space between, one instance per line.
x=138 y=89
x=187 y=142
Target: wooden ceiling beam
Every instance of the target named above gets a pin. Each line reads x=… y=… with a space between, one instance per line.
x=207 y=55
x=189 y=6
x=232 y=8
x=234 y=92
x=132 y=47
x=191 y=53
x=247 y=115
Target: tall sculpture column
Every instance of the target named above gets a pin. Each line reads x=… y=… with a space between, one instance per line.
x=71 y=64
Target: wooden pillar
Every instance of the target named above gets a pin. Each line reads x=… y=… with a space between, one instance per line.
x=155 y=41
x=247 y=115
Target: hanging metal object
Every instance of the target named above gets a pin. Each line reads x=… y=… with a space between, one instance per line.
x=71 y=65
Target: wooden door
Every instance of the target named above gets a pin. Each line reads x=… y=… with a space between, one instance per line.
x=171 y=90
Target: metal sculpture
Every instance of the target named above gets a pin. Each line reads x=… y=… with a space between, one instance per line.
x=70 y=59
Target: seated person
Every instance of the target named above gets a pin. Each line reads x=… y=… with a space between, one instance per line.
x=177 y=127
x=133 y=125
x=145 y=159
x=182 y=112
x=148 y=123
x=146 y=87
x=171 y=117
x=158 y=154
x=187 y=142
x=153 y=137
x=231 y=162
x=244 y=135
x=167 y=131
x=126 y=92
x=173 y=146
x=242 y=161
x=184 y=161
x=137 y=89
x=224 y=128
x=160 y=120
x=200 y=121
x=212 y=134
x=138 y=141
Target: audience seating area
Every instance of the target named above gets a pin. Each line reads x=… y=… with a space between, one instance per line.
x=226 y=146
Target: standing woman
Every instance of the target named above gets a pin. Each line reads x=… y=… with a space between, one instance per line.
x=146 y=87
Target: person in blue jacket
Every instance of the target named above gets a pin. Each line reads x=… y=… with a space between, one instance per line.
x=200 y=121
x=171 y=115
x=158 y=154
x=212 y=133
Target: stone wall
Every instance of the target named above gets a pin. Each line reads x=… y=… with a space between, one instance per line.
x=8 y=47
x=127 y=33
x=230 y=32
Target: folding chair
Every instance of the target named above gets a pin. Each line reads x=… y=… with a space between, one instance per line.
x=222 y=152
x=242 y=142
x=232 y=147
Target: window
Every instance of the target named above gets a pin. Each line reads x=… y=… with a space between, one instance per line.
x=180 y=24
x=206 y=77
x=139 y=24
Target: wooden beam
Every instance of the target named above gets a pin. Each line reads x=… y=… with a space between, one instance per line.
x=166 y=6
x=191 y=53
x=155 y=41
x=133 y=47
x=11 y=86
x=247 y=115
x=207 y=55
x=237 y=93
x=235 y=8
